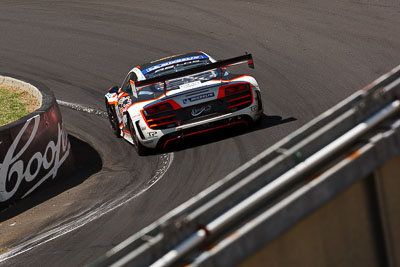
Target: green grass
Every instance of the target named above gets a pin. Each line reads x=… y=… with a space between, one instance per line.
x=15 y=103
x=4 y=250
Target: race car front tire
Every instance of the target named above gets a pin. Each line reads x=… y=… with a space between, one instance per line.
x=112 y=117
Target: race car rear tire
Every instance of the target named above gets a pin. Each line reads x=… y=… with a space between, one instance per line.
x=140 y=149
x=112 y=117
x=260 y=109
x=257 y=122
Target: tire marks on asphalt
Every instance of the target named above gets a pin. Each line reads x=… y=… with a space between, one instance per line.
x=71 y=224
x=83 y=108
x=89 y=215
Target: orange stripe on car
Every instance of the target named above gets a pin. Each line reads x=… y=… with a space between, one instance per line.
x=120 y=96
x=161 y=118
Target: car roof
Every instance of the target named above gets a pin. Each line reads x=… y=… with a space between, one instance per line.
x=171 y=60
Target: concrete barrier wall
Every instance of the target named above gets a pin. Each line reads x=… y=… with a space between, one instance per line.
x=33 y=148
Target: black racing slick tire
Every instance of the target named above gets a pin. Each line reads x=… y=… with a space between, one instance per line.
x=260 y=109
x=140 y=149
x=257 y=122
x=112 y=117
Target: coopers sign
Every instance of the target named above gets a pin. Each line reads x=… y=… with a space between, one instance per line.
x=32 y=151
x=25 y=165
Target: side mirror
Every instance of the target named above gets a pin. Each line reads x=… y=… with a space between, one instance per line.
x=113 y=90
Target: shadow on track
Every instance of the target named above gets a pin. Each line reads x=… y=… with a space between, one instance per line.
x=86 y=161
x=218 y=135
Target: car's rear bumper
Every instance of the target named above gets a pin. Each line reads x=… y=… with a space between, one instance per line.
x=203 y=127
x=161 y=138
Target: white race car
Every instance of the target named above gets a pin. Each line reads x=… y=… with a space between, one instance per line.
x=181 y=96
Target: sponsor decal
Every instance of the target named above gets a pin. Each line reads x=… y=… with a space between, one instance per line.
x=111 y=96
x=173 y=62
x=188 y=85
x=198 y=97
x=124 y=103
x=198 y=111
x=14 y=170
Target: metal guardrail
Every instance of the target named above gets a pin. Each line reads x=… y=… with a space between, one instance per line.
x=268 y=179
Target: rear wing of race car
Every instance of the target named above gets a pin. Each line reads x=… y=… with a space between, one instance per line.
x=219 y=64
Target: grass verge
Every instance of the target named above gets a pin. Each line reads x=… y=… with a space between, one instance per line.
x=4 y=250
x=15 y=103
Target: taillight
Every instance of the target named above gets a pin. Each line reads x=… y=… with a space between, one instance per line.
x=236 y=96
x=159 y=108
x=234 y=89
x=160 y=116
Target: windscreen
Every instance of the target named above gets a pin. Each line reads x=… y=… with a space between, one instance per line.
x=175 y=66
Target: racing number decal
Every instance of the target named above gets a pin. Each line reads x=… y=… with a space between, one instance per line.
x=152 y=134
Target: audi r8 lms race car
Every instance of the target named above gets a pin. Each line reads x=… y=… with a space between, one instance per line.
x=179 y=96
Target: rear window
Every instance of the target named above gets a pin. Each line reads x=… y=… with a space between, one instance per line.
x=155 y=90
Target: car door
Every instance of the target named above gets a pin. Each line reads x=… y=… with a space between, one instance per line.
x=127 y=96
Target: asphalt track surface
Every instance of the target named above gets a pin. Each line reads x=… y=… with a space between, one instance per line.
x=308 y=56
